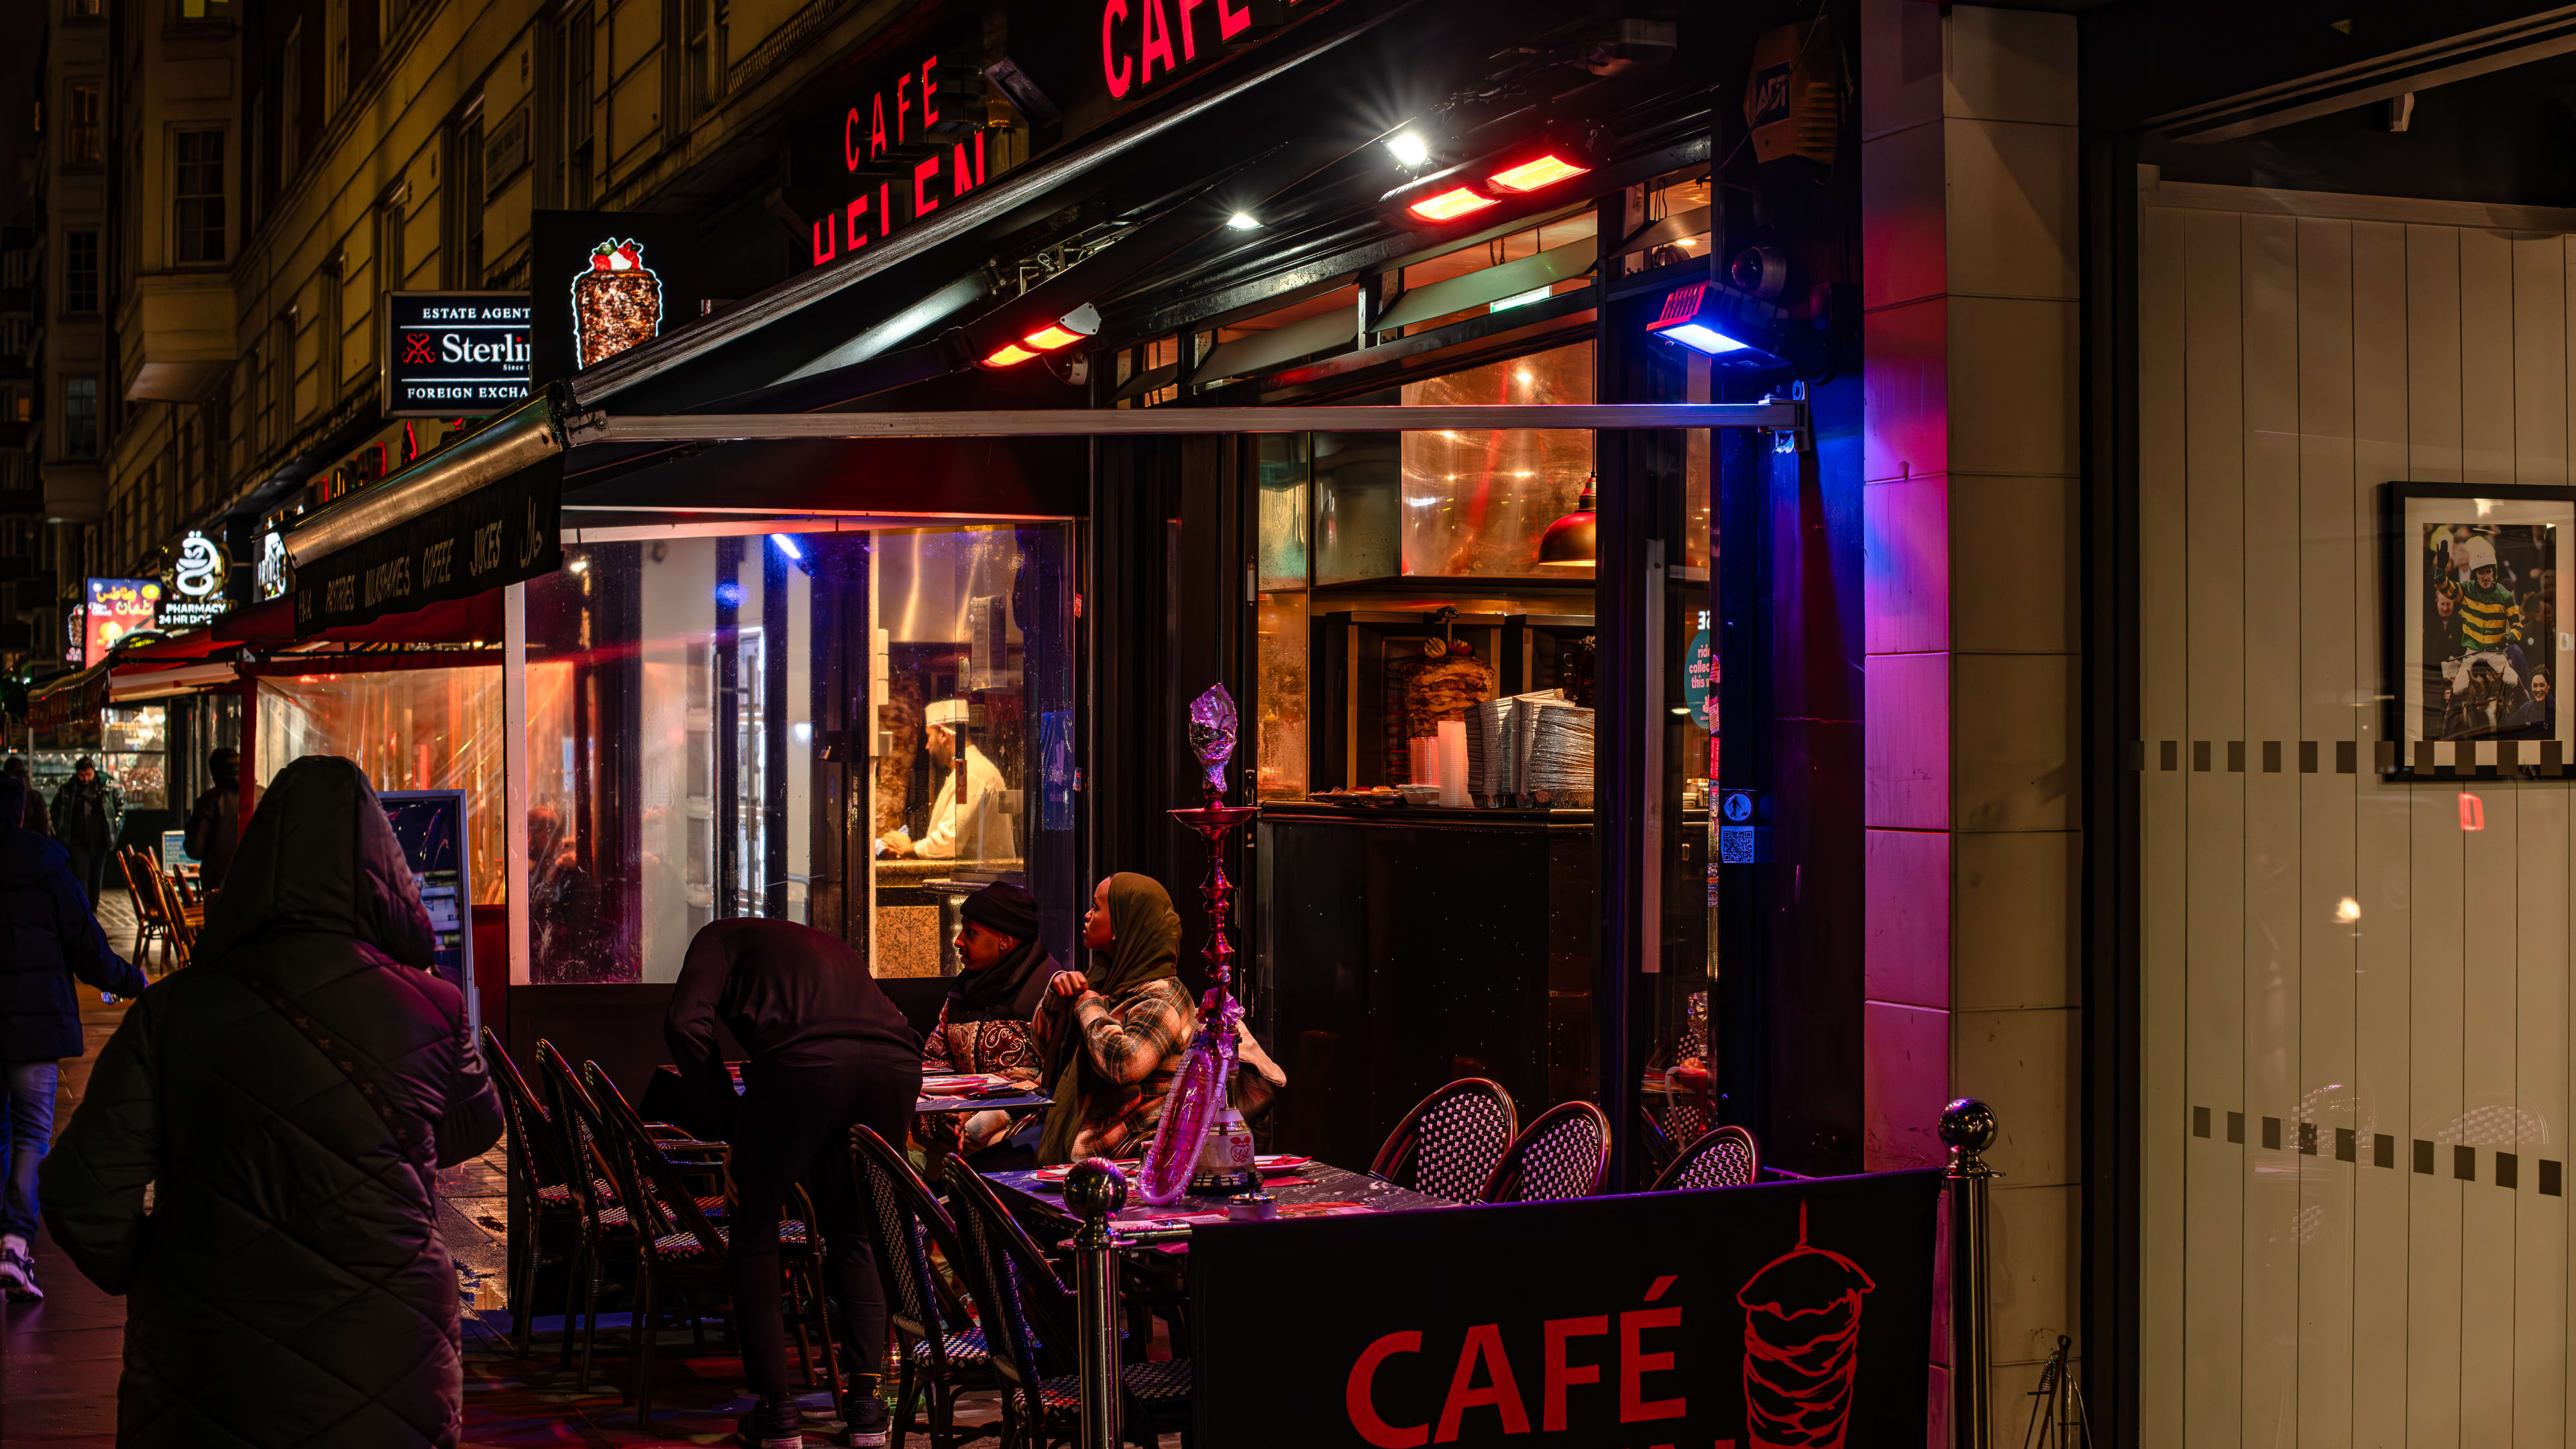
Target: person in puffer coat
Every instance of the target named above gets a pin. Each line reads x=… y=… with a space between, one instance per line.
x=289 y=1285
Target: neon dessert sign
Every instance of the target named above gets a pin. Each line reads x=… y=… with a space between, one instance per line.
x=616 y=302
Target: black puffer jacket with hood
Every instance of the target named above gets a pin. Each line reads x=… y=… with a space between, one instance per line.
x=47 y=937
x=289 y=1286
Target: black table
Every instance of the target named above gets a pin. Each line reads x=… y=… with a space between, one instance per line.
x=1314 y=1189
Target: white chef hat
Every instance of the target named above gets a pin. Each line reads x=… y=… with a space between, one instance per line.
x=950 y=712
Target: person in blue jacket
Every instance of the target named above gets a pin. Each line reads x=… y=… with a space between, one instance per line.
x=47 y=937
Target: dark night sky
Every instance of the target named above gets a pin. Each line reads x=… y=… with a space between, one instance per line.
x=21 y=29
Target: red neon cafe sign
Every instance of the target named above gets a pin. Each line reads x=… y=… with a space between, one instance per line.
x=899 y=120
x=1139 y=36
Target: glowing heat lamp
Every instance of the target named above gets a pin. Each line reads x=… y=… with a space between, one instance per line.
x=1531 y=175
x=1699 y=318
x=1011 y=355
x=1451 y=204
x=1051 y=337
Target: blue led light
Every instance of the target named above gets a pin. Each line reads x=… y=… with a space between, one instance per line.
x=729 y=594
x=1701 y=336
x=787 y=545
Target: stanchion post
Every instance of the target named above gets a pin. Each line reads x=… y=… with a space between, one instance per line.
x=1096 y=1190
x=1968 y=1128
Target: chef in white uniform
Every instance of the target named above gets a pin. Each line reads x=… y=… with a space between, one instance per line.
x=974 y=828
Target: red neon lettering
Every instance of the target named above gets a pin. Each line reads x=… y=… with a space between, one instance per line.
x=1635 y=1364
x=1158 y=41
x=1356 y=1397
x=902 y=107
x=1113 y=66
x=876 y=124
x=1231 y=22
x=959 y=182
x=922 y=175
x=885 y=208
x=929 y=116
x=1189 y=41
x=858 y=209
x=824 y=247
x=1484 y=1343
x=979 y=158
x=850 y=141
x=1562 y=1375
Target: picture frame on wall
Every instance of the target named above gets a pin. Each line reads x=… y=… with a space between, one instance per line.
x=2476 y=643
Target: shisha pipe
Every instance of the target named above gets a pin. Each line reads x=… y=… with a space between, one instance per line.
x=1199 y=1087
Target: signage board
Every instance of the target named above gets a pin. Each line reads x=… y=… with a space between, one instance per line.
x=1699 y=679
x=113 y=609
x=430 y=824
x=501 y=533
x=192 y=589
x=602 y=282
x=454 y=354
x=1784 y=1313
x=76 y=631
x=276 y=573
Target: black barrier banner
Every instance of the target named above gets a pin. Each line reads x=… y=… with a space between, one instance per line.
x=1793 y=1315
x=498 y=534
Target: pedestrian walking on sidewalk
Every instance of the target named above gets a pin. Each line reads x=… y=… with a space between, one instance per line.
x=47 y=937
x=290 y=1098
x=214 y=823
x=88 y=812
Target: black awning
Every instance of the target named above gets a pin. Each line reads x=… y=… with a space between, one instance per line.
x=483 y=514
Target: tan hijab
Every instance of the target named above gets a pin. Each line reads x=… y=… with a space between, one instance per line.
x=1146 y=947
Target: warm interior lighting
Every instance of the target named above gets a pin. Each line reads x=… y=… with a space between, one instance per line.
x=1011 y=355
x=1409 y=149
x=1571 y=541
x=1050 y=337
x=1455 y=202
x=1546 y=170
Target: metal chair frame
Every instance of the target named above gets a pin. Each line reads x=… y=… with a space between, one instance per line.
x=539 y=1161
x=1712 y=1147
x=909 y=1222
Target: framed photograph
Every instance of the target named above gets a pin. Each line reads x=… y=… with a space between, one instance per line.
x=2476 y=651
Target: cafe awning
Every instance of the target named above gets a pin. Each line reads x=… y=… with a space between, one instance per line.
x=129 y=684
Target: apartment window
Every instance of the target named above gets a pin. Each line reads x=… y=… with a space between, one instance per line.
x=464 y=193
x=22 y=405
x=199 y=196
x=391 y=269
x=192 y=11
x=290 y=106
x=81 y=9
x=81 y=134
x=577 y=104
x=16 y=331
x=335 y=38
x=80 y=270
x=80 y=417
x=705 y=23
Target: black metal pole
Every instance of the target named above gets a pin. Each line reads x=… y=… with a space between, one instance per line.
x=1968 y=1128
x=1095 y=1190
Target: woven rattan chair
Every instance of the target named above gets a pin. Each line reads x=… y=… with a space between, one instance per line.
x=539 y=1159
x=149 y=924
x=1029 y=1319
x=1447 y=1146
x=606 y=1238
x=1562 y=1155
x=937 y=1361
x=1727 y=1157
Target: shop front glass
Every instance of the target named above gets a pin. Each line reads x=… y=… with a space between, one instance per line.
x=847 y=730
x=409 y=729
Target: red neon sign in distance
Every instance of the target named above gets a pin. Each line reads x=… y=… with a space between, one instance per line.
x=1137 y=36
x=868 y=139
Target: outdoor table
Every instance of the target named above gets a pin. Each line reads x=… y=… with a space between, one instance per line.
x=661 y=1095
x=1315 y=1189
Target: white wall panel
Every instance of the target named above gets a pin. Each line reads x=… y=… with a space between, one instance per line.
x=2356 y=1014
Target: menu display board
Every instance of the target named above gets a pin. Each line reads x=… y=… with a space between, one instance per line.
x=431 y=826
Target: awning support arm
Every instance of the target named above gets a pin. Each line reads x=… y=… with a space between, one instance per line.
x=1778 y=415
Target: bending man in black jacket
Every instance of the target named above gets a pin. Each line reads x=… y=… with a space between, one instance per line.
x=47 y=937
x=828 y=1051
x=289 y=1286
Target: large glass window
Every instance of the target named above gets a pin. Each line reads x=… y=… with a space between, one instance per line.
x=80 y=269
x=198 y=196
x=848 y=730
x=80 y=417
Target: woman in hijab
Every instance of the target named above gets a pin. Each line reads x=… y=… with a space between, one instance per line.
x=828 y=1052
x=984 y=1024
x=288 y=1100
x=1112 y=1036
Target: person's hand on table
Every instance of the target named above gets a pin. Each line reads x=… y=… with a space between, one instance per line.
x=897 y=845
x=1068 y=983
x=983 y=1129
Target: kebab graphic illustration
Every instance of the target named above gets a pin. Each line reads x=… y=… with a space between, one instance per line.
x=1801 y=1346
x=615 y=304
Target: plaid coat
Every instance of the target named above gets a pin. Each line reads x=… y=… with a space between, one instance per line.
x=1135 y=1040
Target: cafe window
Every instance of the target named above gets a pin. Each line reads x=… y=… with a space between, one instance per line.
x=436 y=728
x=847 y=730
x=198 y=196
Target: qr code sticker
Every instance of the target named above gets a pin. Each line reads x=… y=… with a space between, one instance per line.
x=1735 y=845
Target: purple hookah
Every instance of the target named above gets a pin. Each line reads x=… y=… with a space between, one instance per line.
x=1199 y=1139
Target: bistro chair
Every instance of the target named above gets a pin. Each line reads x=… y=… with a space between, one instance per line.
x=1448 y=1145
x=909 y=1222
x=606 y=1236
x=1029 y=1321
x=182 y=920
x=1727 y=1157
x=539 y=1162
x=1562 y=1155
x=148 y=920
